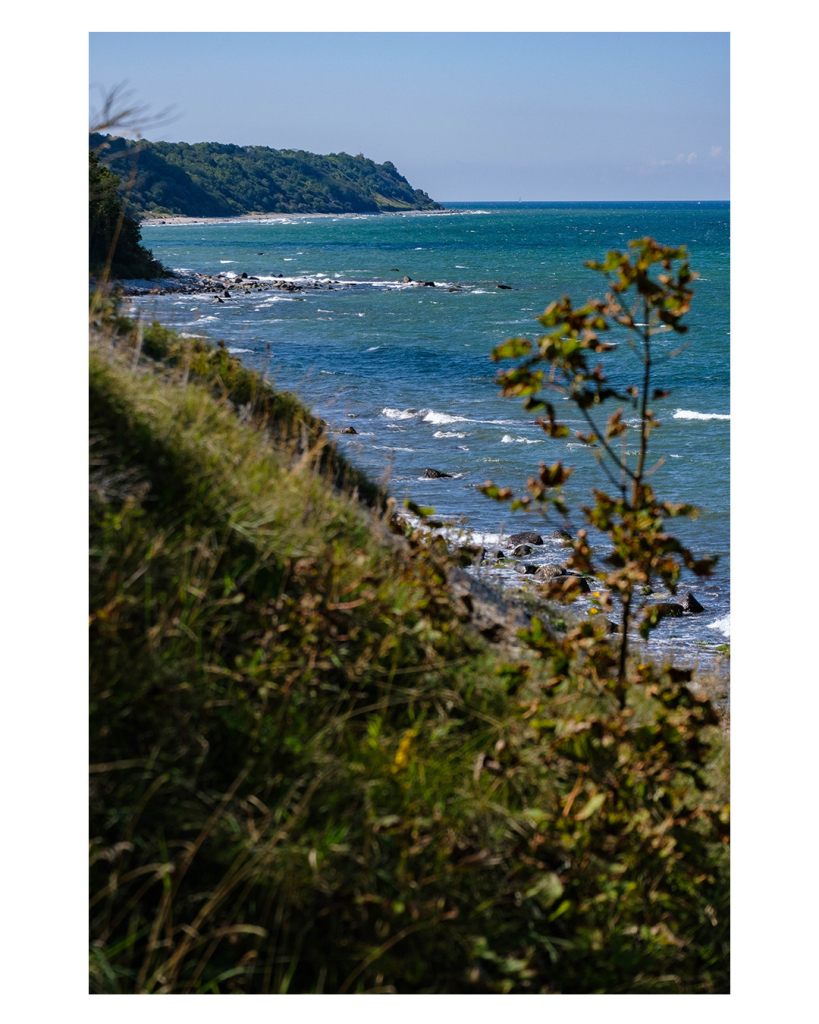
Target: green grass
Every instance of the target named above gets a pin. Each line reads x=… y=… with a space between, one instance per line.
x=310 y=775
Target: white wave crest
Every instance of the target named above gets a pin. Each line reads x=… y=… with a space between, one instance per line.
x=508 y=439
x=688 y=414
x=431 y=416
x=723 y=625
x=235 y=351
x=399 y=414
x=448 y=433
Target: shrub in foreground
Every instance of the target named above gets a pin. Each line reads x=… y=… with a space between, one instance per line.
x=310 y=775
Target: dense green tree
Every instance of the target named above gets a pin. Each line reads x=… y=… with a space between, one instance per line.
x=113 y=236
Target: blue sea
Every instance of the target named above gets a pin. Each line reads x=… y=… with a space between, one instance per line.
x=409 y=366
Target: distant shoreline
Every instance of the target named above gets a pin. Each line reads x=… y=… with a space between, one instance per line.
x=245 y=218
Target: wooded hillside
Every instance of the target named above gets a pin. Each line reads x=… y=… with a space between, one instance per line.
x=211 y=179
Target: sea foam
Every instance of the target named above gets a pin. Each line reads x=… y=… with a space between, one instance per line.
x=723 y=625
x=399 y=414
x=688 y=414
x=431 y=416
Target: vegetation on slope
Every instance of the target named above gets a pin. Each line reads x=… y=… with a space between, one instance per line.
x=308 y=773
x=210 y=179
x=114 y=240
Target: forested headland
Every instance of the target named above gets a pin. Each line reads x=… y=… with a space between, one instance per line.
x=210 y=179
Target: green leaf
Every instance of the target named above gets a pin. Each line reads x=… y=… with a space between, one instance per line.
x=593 y=805
x=547 y=890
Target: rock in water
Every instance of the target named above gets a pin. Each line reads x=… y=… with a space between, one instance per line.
x=691 y=604
x=561 y=535
x=349 y=430
x=669 y=610
x=435 y=474
x=527 y=537
x=521 y=551
x=549 y=572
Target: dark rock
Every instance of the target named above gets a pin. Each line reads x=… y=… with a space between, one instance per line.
x=429 y=284
x=493 y=633
x=435 y=474
x=691 y=604
x=526 y=569
x=549 y=572
x=560 y=535
x=470 y=554
x=349 y=430
x=352 y=415
x=244 y=274
x=505 y=287
x=668 y=610
x=407 y=280
x=393 y=270
x=646 y=589
x=526 y=537
x=521 y=551
x=226 y=294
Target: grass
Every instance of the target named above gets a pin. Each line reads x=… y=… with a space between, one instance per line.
x=310 y=774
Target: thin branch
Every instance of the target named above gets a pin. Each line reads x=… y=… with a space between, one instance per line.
x=117 y=110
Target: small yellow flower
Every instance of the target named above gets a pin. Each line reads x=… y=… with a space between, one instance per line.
x=593 y=611
x=402 y=755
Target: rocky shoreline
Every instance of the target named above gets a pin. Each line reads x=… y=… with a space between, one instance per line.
x=227 y=284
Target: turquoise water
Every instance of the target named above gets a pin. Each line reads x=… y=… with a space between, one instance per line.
x=409 y=366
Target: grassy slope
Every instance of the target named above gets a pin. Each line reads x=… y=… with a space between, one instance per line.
x=309 y=775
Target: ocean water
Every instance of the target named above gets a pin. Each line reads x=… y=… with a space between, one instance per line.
x=409 y=366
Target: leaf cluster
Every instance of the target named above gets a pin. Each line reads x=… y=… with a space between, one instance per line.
x=649 y=292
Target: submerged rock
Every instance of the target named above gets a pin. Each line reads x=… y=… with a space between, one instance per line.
x=435 y=474
x=522 y=550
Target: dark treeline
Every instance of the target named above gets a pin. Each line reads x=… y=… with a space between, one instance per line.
x=114 y=240
x=210 y=179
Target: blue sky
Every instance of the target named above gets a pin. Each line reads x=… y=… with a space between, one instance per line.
x=465 y=116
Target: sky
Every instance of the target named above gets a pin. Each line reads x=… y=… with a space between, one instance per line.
x=477 y=116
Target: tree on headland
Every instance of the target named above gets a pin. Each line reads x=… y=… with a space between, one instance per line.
x=114 y=239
